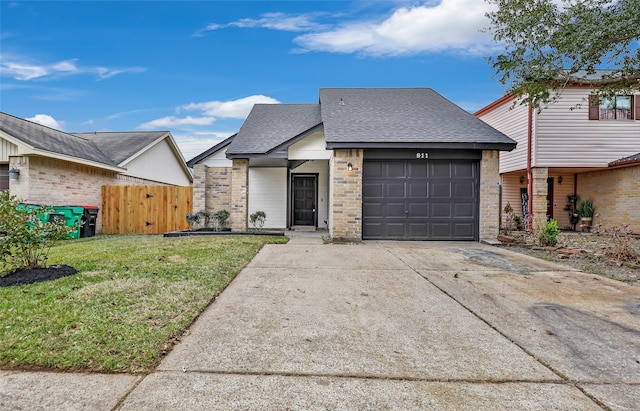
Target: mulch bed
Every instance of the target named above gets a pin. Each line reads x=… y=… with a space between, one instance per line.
x=23 y=276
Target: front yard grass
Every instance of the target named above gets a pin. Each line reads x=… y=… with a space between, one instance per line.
x=133 y=297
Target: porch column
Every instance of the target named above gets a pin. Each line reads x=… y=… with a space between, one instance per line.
x=539 y=190
x=345 y=197
x=489 y=195
x=239 y=194
x=199 y=187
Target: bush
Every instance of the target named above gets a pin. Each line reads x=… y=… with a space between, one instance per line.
x=257 y=219
x=548 y=234
x=222 y=220
x=27 y=234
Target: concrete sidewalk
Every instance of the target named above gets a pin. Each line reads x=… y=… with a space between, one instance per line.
x=384 y=325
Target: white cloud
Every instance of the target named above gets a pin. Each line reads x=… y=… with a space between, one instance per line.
x=22 y=68
x=48 y=121
x=172 y=121
x=273 y=21
x=230 y=109
x=451 y=25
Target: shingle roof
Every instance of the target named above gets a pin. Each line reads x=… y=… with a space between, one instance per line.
x=271 y=125
x=399 y=115
x=626 y=160
x=55 y=141
x=121 y=146
x=210 y=151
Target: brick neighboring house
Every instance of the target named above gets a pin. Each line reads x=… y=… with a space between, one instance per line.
x=579 y=145
x=58 y=168
x=401 y=164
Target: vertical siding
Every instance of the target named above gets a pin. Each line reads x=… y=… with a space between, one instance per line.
x=565 y=137
x=268 y=193
x=321 y=168
x=512 y=121
x=7 y=149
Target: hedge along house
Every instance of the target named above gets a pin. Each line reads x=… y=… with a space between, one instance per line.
x=56 y=168
x=397 y=164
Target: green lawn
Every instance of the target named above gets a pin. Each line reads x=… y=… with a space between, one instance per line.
x=132 y=297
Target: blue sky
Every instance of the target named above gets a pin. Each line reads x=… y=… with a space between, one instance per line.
x=196 y=68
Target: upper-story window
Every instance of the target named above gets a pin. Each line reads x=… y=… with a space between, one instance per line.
x=614 y=108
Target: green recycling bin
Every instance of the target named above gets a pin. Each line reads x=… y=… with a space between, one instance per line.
x=35 y=208
x=72 y=215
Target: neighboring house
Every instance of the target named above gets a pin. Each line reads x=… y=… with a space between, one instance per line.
x=58 y=168
x=402 y=164
x=571 y=147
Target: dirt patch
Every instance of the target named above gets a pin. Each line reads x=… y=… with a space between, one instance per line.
x=588 y=252
x=23 y=276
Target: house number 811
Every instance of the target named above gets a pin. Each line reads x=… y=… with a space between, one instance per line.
x=422 y=155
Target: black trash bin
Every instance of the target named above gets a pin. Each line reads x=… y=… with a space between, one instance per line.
x=89 y=218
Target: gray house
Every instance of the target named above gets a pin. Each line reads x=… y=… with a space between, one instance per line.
x=397 y=164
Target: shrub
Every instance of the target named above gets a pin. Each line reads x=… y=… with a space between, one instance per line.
x=586 y=208
x=510 y=219
x=620 y=243
x=257 y=219
x=193 y=219
x=27 y=233
x=222 y=219
x=549 y=232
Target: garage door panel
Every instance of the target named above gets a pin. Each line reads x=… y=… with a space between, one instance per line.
x=463 y=170
x=395 y=169
x=440 y=210
x=420 y=199
x=440 y=189
x=464 y=189
x=463 y=210
x=395 y=210
x=373 y=190
x=395 y=190
x=417 y=189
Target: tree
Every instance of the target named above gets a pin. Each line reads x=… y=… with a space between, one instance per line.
x=550 y=44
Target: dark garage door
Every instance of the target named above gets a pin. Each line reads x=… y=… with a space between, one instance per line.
x=420 y=200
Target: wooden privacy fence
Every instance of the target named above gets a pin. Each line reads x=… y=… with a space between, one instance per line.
x=145 y=209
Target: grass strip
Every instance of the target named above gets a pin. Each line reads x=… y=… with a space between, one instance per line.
x=133 y=296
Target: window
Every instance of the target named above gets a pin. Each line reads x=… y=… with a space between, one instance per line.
x=614 y=108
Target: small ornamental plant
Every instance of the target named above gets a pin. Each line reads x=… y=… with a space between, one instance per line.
x=257 y=219
x=27 y=233
x=548 y=233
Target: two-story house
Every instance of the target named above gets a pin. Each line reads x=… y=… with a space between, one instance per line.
x=581 y=145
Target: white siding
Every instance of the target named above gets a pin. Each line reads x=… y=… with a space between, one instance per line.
x=218 y=159
x=511 y=121
x=565 y=137
x=321 y=168
x=268 y=193
x=159 y=163
x=310 y=148
x=7 y=149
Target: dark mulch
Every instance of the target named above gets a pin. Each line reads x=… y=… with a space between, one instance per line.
x=35 y=275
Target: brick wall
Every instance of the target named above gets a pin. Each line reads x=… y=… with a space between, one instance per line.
x=239 y=194
x=616 y=195
x=49 y=181
x=345 y=197
x=211 y=188
x=489 y=195
x=540 y=191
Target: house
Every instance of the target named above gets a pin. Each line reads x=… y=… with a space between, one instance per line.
x=580 y=145
x=363 y=163
x=56 y=168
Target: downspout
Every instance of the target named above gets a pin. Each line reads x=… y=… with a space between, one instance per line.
x=529 y=170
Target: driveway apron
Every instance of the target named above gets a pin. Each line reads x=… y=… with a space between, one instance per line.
x=389 y=325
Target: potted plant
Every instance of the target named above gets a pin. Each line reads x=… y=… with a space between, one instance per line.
x=586 y=210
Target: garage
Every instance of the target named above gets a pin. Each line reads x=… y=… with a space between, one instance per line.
x=425 y=199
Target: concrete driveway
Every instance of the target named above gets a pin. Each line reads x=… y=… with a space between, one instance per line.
x=401 y=325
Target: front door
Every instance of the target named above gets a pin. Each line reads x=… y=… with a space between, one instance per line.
x=304 y=199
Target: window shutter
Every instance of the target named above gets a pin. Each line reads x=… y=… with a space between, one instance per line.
x=594 y=107
x=636 y=114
